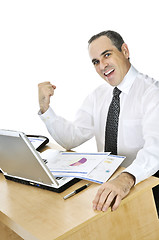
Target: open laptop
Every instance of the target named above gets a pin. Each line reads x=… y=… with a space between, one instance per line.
x=20 y=162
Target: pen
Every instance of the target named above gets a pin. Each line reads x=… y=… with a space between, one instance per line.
x=76 y=191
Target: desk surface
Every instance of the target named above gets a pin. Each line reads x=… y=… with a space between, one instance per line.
x=40 y=214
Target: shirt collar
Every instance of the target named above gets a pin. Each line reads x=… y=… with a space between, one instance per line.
x=128 y=80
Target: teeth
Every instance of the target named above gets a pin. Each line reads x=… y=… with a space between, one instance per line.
x=108 y=72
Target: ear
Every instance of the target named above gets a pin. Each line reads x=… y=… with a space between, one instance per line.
x=125 y=50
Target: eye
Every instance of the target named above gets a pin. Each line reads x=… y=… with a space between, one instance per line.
x=107 y=55
x=95 y=62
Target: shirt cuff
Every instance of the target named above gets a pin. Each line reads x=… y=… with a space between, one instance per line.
x=48 y=115
x=137 y=172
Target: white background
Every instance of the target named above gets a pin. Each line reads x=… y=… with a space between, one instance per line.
x=47 y=41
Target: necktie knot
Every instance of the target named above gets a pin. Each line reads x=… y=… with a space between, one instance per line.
x=116 y=92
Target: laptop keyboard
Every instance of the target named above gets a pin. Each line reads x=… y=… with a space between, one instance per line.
x=45 y=161
x=57 y=178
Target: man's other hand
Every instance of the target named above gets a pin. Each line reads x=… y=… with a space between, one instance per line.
x=111 y=193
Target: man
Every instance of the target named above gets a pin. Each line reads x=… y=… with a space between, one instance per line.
x=137 y=121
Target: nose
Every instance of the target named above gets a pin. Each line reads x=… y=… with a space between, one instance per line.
x=103 y=64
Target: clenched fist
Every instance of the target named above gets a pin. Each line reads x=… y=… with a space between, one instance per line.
x=46 y=90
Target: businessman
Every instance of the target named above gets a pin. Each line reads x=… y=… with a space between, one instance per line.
x=122 y=114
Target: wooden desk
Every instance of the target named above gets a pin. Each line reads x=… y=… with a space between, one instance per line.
x=30 y=213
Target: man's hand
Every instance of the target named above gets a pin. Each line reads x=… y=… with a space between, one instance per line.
x=111 y=193
x=46 y=90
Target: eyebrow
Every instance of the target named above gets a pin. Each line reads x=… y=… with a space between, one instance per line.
x=94 y=59
x=105 y=52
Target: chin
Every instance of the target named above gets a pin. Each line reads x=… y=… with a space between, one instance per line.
x=112 y=83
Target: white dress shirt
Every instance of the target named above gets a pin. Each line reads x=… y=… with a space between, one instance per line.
x=138 y=129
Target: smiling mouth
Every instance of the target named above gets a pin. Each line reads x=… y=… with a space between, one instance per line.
x=109 y=72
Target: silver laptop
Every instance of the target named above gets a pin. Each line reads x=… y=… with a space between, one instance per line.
x=20 y=162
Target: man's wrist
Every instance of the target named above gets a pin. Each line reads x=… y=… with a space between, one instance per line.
x=43 y=109
x=129 y=178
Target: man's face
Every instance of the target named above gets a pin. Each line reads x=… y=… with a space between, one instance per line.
x=111 y=64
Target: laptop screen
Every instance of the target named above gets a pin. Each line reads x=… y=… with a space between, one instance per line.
x=19 y=158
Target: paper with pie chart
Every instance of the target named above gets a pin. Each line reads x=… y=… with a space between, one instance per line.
x=101 y=173
x=72 y=162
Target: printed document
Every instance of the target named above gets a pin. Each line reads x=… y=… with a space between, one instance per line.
x=72 y=162
x=96 y=167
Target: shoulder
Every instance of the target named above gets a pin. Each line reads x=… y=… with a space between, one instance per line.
x=98 y=95
x=148 y=88
x=148 y=81
x=145 y=84
x=101 y=90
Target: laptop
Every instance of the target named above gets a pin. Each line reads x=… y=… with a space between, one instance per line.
x=20 y=162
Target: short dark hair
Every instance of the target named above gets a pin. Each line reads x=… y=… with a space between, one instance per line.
x=115 y=38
